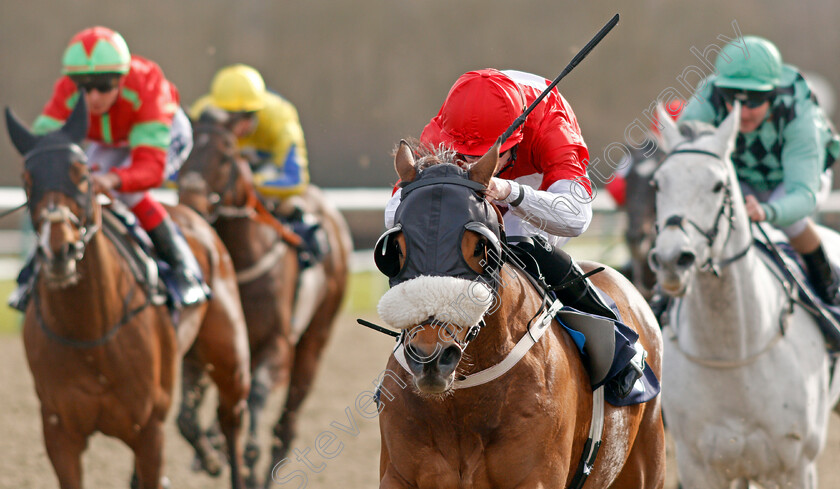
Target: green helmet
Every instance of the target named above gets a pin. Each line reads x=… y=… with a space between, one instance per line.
x=759 y=69
x=96 y=50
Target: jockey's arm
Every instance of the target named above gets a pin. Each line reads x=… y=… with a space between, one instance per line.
x=149 y=142
x=279 y=137
x=564 y=209
x=803 y=162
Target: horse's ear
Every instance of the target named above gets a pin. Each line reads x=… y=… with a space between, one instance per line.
x=76 y=126
x=728 y=130
x=482 y=170
x=22 y=139
x=670 y=132
x=404 y=162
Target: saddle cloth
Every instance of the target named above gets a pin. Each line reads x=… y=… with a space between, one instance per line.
x=801 y=273
x=136 y=247
x=604 y=359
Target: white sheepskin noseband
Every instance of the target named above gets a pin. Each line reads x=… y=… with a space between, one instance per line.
x=451 y=300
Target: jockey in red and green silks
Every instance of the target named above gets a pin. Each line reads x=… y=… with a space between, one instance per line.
x=785 y=146
x=138 y=133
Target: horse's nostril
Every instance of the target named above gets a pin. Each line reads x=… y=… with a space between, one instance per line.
x=686 y=259
x=450 y=357
x=653 y=258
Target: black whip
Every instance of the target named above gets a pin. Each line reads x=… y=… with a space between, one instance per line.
x=577 y=59
x=378 y=328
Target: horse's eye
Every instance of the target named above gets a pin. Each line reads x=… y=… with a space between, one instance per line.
x=480 y=247
x=718 y=187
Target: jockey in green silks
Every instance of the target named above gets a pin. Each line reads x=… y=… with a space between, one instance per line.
x=784 y=149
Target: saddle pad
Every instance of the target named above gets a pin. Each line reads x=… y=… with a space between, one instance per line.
x=611 y=346
x=801 y=274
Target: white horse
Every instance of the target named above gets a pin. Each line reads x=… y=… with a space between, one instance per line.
x=745 y=381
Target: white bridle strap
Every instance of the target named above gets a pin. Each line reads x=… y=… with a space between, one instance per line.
x=533 y=335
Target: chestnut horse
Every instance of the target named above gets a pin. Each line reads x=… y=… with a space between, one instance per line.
x=467 y=417
x=101 y=349
x=289 y=314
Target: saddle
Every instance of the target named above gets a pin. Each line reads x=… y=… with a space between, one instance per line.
x=606 y=348
x=132 y=242
x=794 y=263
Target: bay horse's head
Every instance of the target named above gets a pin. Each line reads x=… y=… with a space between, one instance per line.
x=215 y=176
x=697 y=202
x=59 y=193
x=442 y=258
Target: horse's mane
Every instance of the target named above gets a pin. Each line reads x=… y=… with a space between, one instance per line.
x=213 y=116
x=694 y=130
x=427 y=155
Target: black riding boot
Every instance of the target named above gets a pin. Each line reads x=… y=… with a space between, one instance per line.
x=26 y=281
x=559 y=271
x=174 y=250
x=314 y=245
x=823 y=277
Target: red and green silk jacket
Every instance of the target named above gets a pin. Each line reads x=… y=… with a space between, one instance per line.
x=140 y=119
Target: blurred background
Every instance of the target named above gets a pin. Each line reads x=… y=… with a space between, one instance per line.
x=364 y=74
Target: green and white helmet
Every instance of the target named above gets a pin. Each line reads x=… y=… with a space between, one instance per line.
x=96 y=50
x=759 y=69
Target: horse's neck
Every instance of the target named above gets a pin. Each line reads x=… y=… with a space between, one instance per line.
x=246 y=239
x=95 y=299
x=733 y=314
x=518 y=303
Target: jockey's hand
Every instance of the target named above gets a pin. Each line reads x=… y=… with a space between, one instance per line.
x=754 y=209
x=103 y=183
x=498 y=189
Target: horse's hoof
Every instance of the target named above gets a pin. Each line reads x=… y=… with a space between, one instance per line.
x=212 y=465
x=196 y=465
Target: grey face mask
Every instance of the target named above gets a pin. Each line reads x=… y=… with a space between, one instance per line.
x=435 y=211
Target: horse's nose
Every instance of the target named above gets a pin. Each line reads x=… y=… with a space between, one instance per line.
x=448 y=360
x=440 y=361
x=680 y=260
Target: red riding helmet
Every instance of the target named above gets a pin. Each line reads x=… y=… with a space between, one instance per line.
x=479 y=107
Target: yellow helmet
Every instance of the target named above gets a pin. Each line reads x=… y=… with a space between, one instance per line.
x=238 y=88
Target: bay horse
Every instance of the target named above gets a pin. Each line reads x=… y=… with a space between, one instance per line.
x=525 y=423
x=102 y=351
x=747 y=387
x=289 y=314
x=641 y=214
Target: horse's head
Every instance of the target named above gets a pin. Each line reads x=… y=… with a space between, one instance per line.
x=215 y=175
x=442 y=258
x=59 y=193
x=697 y=202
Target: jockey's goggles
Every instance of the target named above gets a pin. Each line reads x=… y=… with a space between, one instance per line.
x=100 y=82
x=748 y=98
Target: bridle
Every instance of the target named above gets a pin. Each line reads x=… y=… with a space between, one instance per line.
x=87 y=225
x=725 y=210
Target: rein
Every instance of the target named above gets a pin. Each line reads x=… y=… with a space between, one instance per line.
x=253 y=207
x=127 y=316
x=712 y=233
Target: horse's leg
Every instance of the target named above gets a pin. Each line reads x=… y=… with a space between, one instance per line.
x=193 y=388
x=222 y=342
x=645 y=465
x=65 y=452
x=262 y=381
x=148 y=455
x=307 y=354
